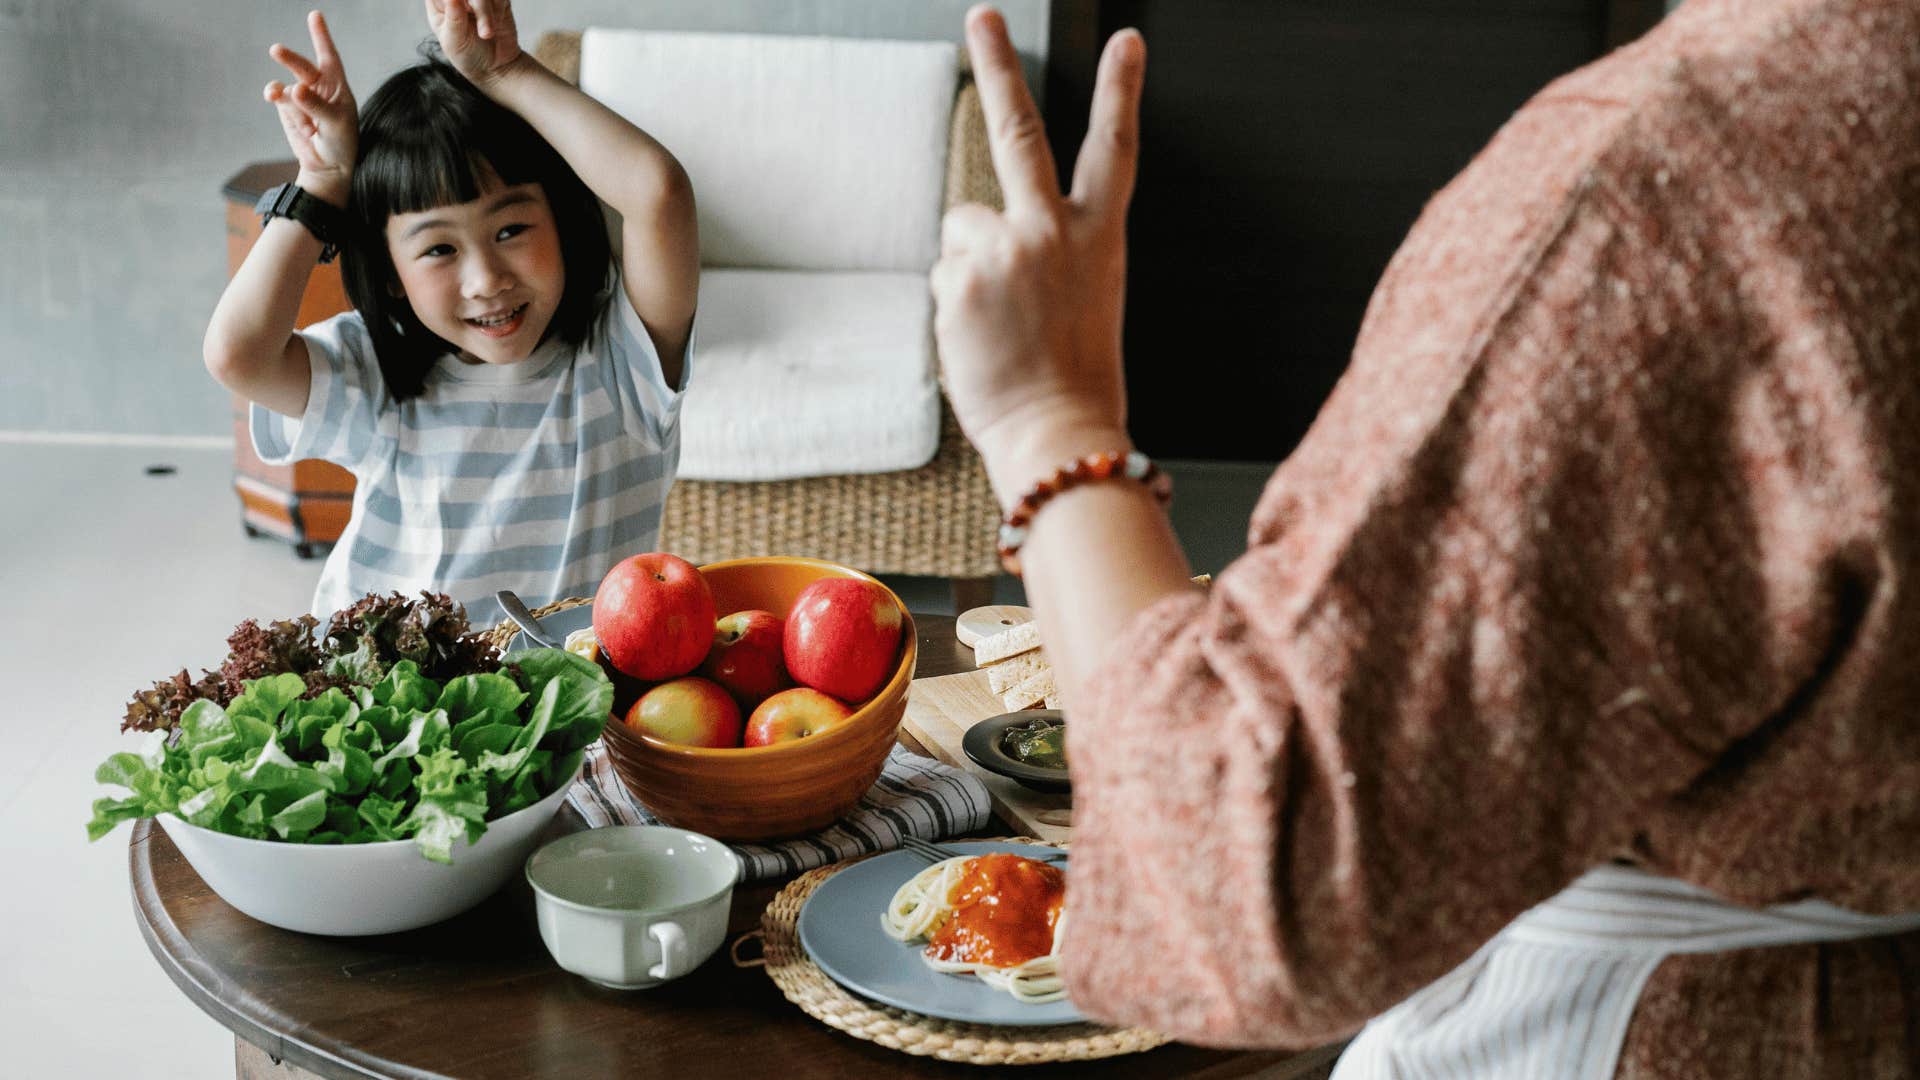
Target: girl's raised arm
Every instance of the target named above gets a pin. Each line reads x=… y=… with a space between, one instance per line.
x=250 y=345
x=624 y=166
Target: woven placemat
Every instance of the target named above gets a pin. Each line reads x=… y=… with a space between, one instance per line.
x=804 y=984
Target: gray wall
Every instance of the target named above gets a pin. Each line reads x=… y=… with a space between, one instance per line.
x=120 y=119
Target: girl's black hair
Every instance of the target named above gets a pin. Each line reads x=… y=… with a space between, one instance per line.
x=428 y=138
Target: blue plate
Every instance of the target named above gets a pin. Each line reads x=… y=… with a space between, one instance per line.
x=840 y=929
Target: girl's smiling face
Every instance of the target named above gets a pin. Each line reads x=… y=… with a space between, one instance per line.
x=485 y=275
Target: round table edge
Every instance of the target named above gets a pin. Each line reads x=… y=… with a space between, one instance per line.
x=174 y=952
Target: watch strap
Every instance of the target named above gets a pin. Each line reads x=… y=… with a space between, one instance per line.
x=328 y=223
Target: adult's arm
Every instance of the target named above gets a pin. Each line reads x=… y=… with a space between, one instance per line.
x=1598 y=545
x=1573 y=524
x=1027 y=315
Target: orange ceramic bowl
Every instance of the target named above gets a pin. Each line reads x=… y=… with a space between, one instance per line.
x=763 y=792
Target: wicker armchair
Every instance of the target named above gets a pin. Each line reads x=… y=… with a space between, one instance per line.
x=937 y=520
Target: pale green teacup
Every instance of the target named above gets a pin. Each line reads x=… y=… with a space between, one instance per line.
x=632 y=906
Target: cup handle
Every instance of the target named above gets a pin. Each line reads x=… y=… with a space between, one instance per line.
x=673 y=951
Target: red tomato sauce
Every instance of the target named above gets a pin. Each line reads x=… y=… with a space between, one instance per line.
x=1004 y=911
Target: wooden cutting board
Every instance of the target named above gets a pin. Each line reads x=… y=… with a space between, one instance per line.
x=939 y=712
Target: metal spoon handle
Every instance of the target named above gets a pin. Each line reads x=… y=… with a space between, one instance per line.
x=517 y=611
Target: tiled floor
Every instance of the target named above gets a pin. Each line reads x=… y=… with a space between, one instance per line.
x=111 y=579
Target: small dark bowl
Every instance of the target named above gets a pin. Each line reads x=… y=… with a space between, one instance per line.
x=982 y=744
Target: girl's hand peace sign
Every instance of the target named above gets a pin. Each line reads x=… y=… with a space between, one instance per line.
x=478 y=36
x=1029 y=301
x=318 y=113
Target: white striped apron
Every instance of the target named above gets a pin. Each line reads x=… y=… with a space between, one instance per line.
x=1551 y=994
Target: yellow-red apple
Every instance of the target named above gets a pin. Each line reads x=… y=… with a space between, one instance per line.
x=746 y=656
x=793 y=714
x=843 y=637
x=691 y=711
x=653 y=616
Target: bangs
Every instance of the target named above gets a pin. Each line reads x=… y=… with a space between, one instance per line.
x=440 y=149
x=421 y=170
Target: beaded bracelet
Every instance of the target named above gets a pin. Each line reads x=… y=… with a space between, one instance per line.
x=1112 y=465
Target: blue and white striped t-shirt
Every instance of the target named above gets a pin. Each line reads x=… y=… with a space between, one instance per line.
x=536 y=476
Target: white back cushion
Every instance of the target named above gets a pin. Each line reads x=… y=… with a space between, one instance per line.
x=805 y=152
x=809 y=374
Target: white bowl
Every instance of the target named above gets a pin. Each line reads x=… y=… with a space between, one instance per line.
x=353 y=889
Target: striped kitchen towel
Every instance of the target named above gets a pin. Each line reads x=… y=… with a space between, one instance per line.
x=914 y=796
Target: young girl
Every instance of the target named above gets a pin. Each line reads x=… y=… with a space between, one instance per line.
x=506 y=397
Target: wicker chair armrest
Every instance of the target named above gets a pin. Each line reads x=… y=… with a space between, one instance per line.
x=559 y=52
x=970 y=175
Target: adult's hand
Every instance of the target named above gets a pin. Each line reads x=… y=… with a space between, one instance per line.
x=1028 y=302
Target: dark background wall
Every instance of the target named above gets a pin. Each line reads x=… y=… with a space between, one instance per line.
x=1287 y=146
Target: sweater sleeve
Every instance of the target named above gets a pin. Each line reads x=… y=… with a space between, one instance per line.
x=1576 y=519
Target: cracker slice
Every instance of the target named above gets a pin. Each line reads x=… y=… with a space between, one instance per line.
x=1029 y=691
x=1002 y=675
x=1022 y=638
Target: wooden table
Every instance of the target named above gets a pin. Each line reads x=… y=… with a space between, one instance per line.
x=478 y=995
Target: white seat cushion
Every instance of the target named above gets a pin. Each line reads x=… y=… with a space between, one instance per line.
x=805 y=153
x=810 y=374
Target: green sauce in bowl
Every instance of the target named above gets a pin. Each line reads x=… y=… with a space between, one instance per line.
x=1041 y=743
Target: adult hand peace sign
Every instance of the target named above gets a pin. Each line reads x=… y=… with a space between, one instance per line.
x=1029 y=301
x=318 y=113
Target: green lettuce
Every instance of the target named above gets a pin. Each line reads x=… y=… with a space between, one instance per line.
x=394 y=755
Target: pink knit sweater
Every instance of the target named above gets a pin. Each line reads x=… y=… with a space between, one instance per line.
x=1601 y=547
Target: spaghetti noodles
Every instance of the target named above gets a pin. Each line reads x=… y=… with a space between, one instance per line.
x=995 y=916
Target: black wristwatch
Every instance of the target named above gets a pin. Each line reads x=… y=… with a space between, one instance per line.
x=327 y=222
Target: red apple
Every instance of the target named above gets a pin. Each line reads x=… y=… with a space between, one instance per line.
x=691 y=711
x=746 y=656
x=653 y=616
x=793 y=714
x=843 y=637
